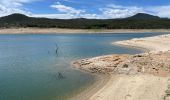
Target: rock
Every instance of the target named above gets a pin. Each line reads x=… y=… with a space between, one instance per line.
x=152 y=63
x=125 y=66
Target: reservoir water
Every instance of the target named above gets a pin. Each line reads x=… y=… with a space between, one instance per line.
x=29 y=64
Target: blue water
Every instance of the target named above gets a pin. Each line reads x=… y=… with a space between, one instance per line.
x=29 y=64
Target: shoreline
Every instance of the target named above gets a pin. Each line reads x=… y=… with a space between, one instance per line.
x=151 y=44
x=99 y=82
x=76 y=31
x=142 y=49
x=125 y=81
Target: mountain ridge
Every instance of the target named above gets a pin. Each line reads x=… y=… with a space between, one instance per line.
x=137 y=21
x=136 y=16
x=143 y=16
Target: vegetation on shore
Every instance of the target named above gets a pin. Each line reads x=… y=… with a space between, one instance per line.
x=167 y=92
x=138 y=21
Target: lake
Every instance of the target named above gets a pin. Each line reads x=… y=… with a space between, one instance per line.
x=29 y=64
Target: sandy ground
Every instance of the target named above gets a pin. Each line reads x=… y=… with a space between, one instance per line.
x=58 y=30
x=134 y=86
x=156 y=43
x=137 y=87
x=100 y=82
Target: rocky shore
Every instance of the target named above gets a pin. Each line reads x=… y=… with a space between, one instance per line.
x=152 y=63
x=104 y=64
x=133 y=77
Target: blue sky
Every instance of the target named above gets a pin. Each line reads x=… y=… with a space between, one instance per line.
x=99 y=9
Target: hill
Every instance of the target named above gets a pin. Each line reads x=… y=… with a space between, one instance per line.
x=143 y=16
x=138 y=21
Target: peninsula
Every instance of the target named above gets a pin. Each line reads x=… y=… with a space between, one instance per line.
x=133 y=77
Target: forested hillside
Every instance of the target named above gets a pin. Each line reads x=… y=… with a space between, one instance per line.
x=138 y=21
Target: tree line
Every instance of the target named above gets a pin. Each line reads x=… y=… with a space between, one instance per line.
x=139 y=21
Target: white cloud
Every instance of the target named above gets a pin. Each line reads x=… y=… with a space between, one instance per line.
x=67 y=16
x=162 y=11
x=66 y=12
x=55 y=16
x=118 y=11
x=66 y=9
x=6 y=10
x=110 y=11
x=90 y=16
x=13 y=6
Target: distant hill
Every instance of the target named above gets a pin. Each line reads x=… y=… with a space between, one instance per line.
x=14 y=18
x=138 y=21
x=143 y=16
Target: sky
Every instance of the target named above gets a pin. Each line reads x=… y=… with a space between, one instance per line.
x=91 y=9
